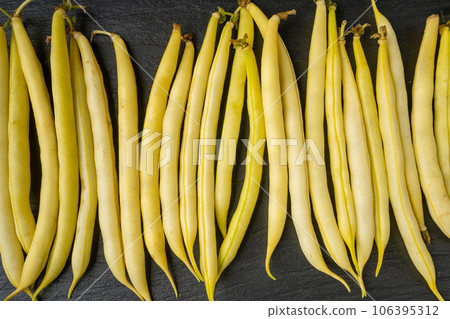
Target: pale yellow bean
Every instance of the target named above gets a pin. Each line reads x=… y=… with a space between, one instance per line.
x=232 y=124
x=401 y=97
x=431 y=178
x=10 y=248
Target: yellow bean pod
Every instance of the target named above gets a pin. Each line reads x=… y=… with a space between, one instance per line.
x=314 y=133
x=149 y=175
x=191 y=132
x=171 y=129
x=401 y=97
x=206 y=153
x=87 y=212
x=67 y=151
x=375 y=146
x=358 y=161
x=10 y=247
x=345 y=210
x=441 y=106
x=45 y=126
x=431 y=177
x=254 y=165
x=107 y=185
x=276 y=138
x=19 y=151
x=232 y=123
x=395 y=168
x=130 y=216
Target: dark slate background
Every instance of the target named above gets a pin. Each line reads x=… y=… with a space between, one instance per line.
x=146 y=27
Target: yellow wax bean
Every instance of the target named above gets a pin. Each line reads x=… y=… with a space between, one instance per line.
x=441 y=106
x=130 y=215
x=232 y=124
x=254 y=164
x=82 y=246
x=276 y=137
x=345 y=210
x=45 y=126
x=107 y=185
x=171 y=129
x=375 y=145
x=206 y=153
x=10 y=247
x=149 y=177
x=191 y=132
x=314 y=118
x=401 y=97
x=67 y=151
x=431 y=178
x=19 y=151
x=395 y=168
x=358 y=161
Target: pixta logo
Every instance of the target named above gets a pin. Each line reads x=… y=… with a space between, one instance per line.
x=143 y=148
x=148 y=151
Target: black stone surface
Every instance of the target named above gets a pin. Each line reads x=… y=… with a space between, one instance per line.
x=146 y=26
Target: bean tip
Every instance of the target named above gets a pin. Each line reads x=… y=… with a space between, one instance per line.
x=243 y=3
x=176 y=26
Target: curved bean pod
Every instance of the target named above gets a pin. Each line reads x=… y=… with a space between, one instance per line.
x=191 y=132
x=276 y=137
x=441 y=106
x=358 y=161
x=10 y=247
x=130 y=217
x=431 y=178
x=314 y=118
x=345 y=210
x=401 y=97
x=45 y=126
x=375 y=145
x=254 y=166
x=395 y=168
x=67 y=151
x=171 y=128
x=87 y=212
x=232 y=124
x=19 y=151
x=149 y=177
x=107 y=185
x=205 y=184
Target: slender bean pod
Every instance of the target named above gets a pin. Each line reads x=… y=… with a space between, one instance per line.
x=441 y=106
x=345 y=209
x=301 y=212
x=206 y=153
x=130 y=217
x=45 y=126
x=358 y=161
x=107 y=185
x=431 y=178
x=191 y=132
x=10 y=247
x=401 y=96
x=276 y=137
x=171 y=129
x=254 y=164
x=19 y=151
x=67 y=151
x=314 y=118
x=375 y=145
x=87 y=212
x=395 y=168
x=150 y=205
x=232 y=123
